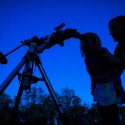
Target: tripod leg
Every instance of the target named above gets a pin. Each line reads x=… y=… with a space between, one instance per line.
x=62 y=115
x=14 y=116
x=49 y=87
x=7 y=81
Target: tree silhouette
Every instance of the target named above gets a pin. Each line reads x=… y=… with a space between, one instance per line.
x=37 y=108
x=5 y=108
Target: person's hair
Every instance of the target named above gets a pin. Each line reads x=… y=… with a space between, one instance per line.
x=89 y=41
x=116 y=23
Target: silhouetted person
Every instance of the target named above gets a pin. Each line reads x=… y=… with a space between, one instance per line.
x=102 y=67
x=117 y=30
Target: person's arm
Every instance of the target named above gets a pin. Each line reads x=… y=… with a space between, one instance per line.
x=109 y=59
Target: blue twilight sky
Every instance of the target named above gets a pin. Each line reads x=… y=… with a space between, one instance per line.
x=22 y=19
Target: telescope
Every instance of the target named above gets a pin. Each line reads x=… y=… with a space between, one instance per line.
x=43 y=43
x=35 y=47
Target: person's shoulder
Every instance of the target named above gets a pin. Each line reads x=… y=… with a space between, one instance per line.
x=118 y=50
x=103 y=50
x=118 y=47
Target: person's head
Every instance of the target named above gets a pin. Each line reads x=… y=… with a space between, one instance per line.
x=117 y=28
x=88 y=42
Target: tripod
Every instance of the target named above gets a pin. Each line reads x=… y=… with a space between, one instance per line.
x=26 y=78
x=36 y=46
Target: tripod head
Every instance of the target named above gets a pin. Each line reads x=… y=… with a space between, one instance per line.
x=27 y=78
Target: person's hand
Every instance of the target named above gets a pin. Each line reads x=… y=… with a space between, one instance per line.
x=71 y=33
x=57 y=38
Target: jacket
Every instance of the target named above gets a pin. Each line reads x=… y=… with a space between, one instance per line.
x=103 y=67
